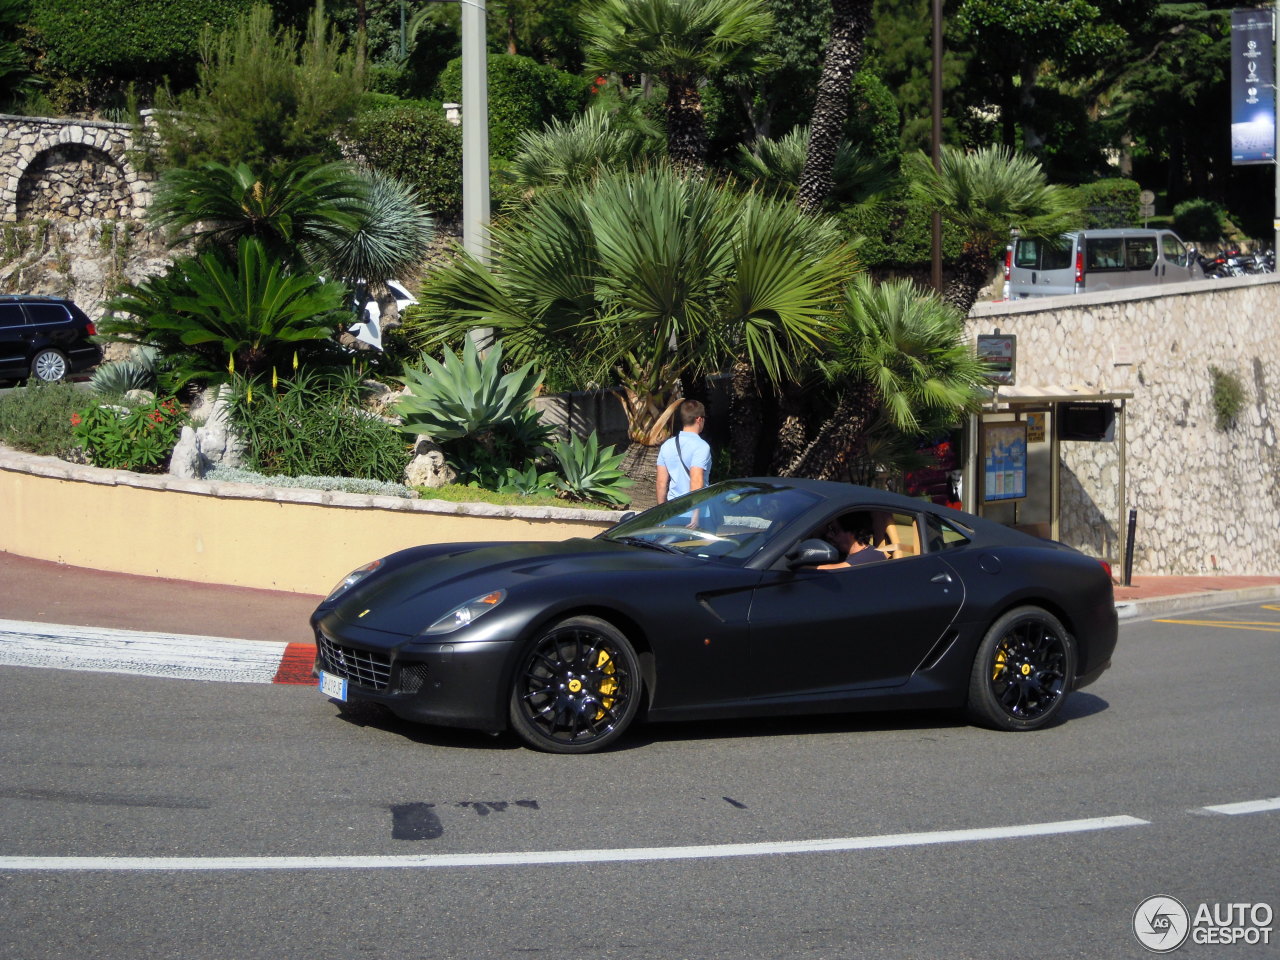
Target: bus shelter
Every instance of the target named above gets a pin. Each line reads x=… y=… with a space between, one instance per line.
x=1014 y=471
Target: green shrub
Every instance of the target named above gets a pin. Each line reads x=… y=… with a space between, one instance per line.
x=898 y=233
x=523 y=95
x=37 y=418
x=91 y=50
x=1228 y=398
x=1110 y=203
x=413 y=142
x=315 y=425
x=1199 y=221
x=137 y=438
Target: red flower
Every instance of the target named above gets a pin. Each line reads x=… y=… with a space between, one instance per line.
x=75 y=419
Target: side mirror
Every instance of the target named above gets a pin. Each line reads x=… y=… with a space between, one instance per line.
x=811 y=553
x=626 y=516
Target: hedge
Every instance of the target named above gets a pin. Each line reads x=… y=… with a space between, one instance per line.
x=413 y=141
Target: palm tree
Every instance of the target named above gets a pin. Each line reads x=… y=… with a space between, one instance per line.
x=218 y=312
x=986 y=194
x=849 y=22
x=680 y=43
x=778 y=165
x=390 y=236
x=899 y=367
x=286 y=206
x=653 y=277
x=562 y=154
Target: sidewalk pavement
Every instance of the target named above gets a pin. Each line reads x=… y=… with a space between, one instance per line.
x=41 y=591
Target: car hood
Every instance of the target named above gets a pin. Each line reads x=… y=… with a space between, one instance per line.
x=419 y=585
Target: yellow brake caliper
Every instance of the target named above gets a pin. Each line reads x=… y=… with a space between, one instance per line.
x=1001 y=664
x=609 y=686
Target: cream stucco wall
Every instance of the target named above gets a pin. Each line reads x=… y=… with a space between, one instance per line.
x=297 y=540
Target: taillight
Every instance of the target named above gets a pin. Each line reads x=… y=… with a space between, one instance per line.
x=1008 y=262
x=1107 y=567
x=1079 y=266
x=91 y=329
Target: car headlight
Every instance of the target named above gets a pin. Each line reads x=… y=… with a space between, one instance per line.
x=352 y=578
x=465 y=613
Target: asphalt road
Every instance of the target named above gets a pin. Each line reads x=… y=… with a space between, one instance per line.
x=110 y=766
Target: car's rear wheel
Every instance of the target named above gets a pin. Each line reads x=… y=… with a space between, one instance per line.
x=49 y=365
x=1023 y=671
x=576 y=688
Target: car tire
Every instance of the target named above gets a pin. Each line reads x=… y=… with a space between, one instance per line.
x=1023 y=671
x=576 y=687
x=49 y=365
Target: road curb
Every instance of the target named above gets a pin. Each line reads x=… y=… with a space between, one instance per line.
x=1184 y=602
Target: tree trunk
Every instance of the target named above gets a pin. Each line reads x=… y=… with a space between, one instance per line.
x=744 y=419
x=834 y=449
x=686 y=129
x=792 y=435
x=972 y=270
x=641 y=465
x=849 y=22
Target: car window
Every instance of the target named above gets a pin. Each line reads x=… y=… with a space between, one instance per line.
x=1140 y=253
x=11 y=315
x=728 y=521
x=1104 y=253
x=944 y=535
x=47 y=313
x=1033 y=253
x=1173 y=249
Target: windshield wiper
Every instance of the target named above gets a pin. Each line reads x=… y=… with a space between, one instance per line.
x=651 y=544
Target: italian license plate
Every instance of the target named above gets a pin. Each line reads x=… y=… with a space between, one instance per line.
x=333 y=687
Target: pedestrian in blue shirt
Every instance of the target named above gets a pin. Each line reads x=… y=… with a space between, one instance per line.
x=684 y=462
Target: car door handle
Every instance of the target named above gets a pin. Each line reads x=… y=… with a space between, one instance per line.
x=940 y=578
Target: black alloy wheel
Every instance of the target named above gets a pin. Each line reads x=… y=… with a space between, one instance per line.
x=1023 y=671
x=576 y=688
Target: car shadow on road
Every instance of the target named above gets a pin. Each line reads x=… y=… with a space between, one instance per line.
x=1078 y=705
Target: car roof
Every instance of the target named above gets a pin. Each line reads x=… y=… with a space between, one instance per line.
x=31 y=298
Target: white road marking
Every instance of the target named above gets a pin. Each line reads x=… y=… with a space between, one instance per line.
x=103 y=650
x=539 y=858
x=1247 y=806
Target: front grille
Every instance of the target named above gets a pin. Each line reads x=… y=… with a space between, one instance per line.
x=412 y=677
x=362 y=667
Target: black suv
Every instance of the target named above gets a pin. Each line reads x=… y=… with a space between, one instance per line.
x=45 y=338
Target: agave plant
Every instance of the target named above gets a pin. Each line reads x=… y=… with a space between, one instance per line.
x=135 y=372
x=590 y=472
x=465 y=396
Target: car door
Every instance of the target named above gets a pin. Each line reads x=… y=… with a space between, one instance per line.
x=14 y=335
x=819 y=632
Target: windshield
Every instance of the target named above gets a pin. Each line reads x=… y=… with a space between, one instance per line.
x=727 y=521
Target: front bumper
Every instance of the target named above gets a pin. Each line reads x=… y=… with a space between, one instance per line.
x=449 y=684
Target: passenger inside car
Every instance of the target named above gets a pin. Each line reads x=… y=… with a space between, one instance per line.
x=852 y=535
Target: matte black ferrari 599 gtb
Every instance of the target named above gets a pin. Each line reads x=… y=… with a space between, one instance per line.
x=717 y=604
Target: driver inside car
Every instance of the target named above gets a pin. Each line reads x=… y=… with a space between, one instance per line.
x=851 y=535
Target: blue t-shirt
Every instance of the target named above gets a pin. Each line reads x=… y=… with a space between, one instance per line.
x=696 y=453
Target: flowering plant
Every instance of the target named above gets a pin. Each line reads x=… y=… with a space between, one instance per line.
x=130 y=439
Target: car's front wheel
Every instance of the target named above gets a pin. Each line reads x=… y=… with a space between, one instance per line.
x=576 y=687
x=1023 y=671
x=49 y=365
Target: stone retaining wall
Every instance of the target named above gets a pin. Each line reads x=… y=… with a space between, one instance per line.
x=60 y=169
x=1207 y=500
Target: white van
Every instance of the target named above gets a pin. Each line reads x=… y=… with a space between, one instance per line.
x=1091 y=260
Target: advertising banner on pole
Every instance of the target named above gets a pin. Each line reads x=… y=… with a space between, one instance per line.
x=1253 y=88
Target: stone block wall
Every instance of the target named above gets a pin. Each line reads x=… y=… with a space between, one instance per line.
x=1208 y=500
x=69 y=170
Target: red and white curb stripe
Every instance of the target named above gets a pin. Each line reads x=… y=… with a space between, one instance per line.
x=172 y=655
